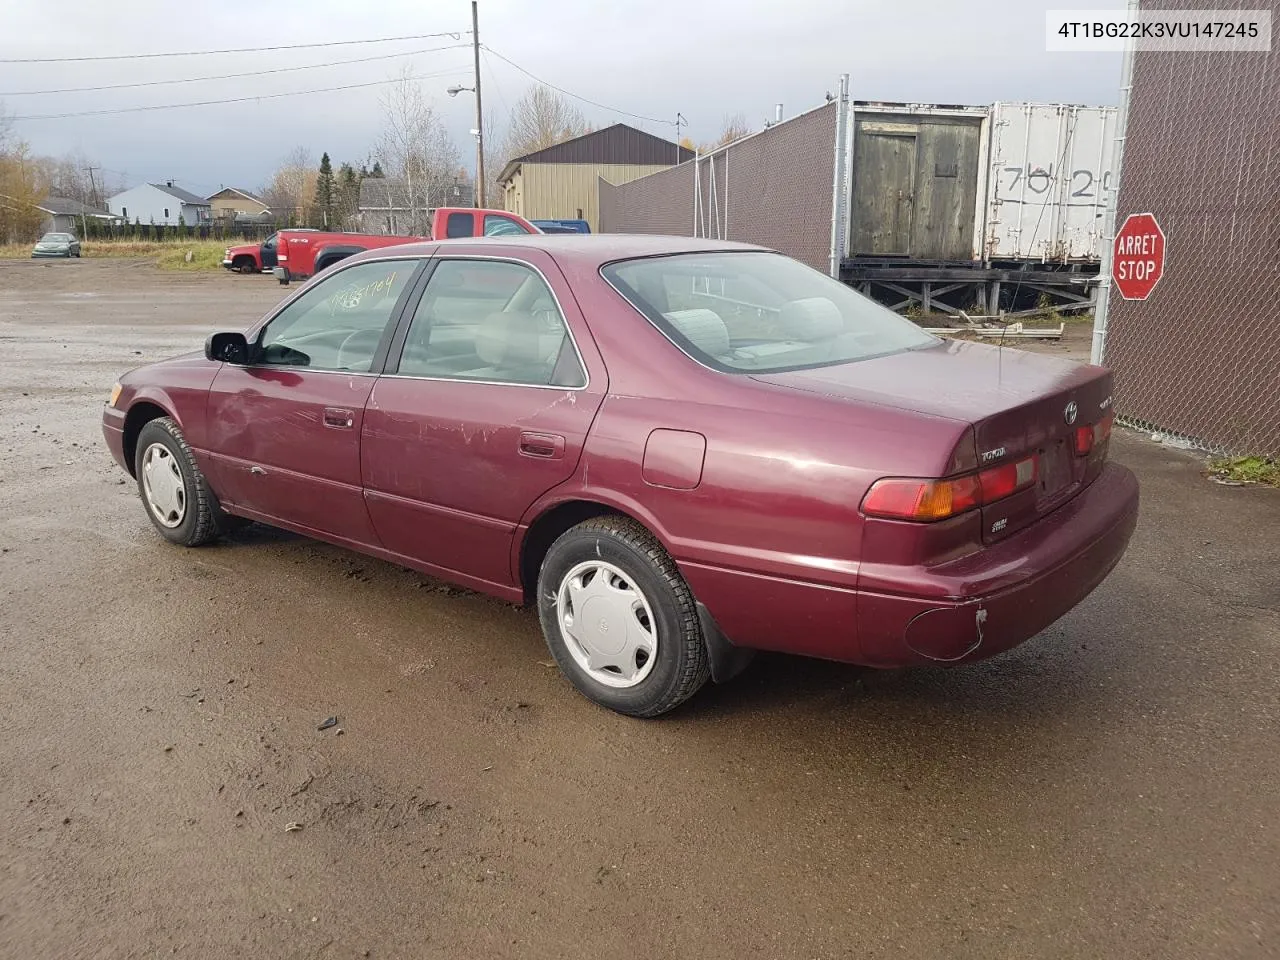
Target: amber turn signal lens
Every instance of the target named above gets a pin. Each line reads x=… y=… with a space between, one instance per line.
x=115 y=395
x=903 y=498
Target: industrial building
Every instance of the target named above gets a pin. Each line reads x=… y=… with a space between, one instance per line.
x=933 y=206
x=559 y=182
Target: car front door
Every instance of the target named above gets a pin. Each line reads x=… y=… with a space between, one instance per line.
x=267 y=252
x=284 y=429
x=489 y=393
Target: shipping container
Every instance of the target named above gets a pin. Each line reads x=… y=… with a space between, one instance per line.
x=915 y=183
x=1047 y=181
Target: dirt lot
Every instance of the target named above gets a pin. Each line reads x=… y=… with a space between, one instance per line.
x=1111 y=789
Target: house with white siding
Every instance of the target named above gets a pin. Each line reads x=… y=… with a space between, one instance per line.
x=160 y=203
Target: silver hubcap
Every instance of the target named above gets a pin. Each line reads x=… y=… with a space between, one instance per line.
x=607 y=624
x=162 y=484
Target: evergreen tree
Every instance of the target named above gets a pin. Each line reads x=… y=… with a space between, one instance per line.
x=325 y=193
x=348 y=199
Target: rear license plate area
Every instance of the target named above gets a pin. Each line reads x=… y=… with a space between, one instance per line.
x=1054 y=474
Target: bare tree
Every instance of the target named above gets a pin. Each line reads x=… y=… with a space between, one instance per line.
x=292 y=186
x=416 y=150
x=494 y=161
x=540 y=119
x=733 y=128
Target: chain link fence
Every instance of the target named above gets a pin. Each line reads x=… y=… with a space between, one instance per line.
x=772 y=188
x=1200 y=359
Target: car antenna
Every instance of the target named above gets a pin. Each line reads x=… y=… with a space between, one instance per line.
x=1004 y=327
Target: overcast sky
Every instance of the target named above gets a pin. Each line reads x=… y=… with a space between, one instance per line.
x=703 y=58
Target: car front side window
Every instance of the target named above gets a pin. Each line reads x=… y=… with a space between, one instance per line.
x=493 y=321
x=338 y=324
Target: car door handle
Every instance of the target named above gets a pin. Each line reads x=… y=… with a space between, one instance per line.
x=545 y=446
x=339 y=419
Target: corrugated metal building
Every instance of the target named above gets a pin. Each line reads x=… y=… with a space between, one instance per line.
x=559 y=182
x=1200 y=358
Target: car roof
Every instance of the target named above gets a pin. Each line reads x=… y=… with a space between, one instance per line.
x=584 y=249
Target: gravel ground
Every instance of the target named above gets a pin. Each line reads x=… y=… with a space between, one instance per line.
x=1111 y=789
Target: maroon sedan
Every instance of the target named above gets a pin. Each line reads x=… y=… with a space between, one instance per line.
x=682 y=451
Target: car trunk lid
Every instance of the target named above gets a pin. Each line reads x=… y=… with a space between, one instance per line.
x=1020 y=405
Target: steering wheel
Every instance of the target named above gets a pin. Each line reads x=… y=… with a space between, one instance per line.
x=357 y=338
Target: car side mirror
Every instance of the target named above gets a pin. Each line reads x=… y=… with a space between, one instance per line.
x=227 y=348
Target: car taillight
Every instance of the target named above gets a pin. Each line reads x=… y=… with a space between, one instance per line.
x=903 y=498
x=1089 y=437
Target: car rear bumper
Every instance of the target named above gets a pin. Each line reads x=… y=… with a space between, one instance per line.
x=113 y=433
x=990 y=601
x=956 y=612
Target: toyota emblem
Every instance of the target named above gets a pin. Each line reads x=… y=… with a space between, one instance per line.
x=1069 y=414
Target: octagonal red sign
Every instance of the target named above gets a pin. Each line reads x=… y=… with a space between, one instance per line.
x=1137 y=262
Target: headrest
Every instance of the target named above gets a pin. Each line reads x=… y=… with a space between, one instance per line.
x=813 y=318
x=510 y=337
x=703 y=328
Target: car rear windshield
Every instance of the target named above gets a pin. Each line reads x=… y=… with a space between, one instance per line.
x=758 y=312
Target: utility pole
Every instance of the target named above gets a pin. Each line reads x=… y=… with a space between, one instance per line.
x=475 y=47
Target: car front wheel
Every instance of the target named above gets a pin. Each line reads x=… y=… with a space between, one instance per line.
x=176 y=495
x=619 y=618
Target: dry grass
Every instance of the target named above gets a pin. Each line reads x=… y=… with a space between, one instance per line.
x=167 y=254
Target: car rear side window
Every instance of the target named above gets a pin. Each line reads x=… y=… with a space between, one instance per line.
x=458 y=225
x=338 y=323
x=492 y=321
x=753 y=311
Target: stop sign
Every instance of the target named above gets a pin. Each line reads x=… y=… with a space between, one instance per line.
x=1137 y=263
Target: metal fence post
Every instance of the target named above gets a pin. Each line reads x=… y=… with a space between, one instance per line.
x=839 y=196
x=1097 y=352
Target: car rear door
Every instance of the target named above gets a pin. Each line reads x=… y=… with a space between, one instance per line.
x=284 y=430
x=491 y=387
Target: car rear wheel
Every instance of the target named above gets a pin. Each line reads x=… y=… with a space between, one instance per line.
x=619 y=618
x=176 y=495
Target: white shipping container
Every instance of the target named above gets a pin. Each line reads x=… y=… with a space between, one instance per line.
x=1048 y=175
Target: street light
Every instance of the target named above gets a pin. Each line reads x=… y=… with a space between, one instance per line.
x=479 y=191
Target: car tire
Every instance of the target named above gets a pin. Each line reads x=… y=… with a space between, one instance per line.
x=636 y=591
x=175 y=494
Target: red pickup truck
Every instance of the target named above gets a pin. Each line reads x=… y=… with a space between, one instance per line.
x=301 y=253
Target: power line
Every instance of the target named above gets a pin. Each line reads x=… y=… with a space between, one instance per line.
x=493 y=79
x=575 y=96
x=456 y=34
x=206 y=103
x=231 y=76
